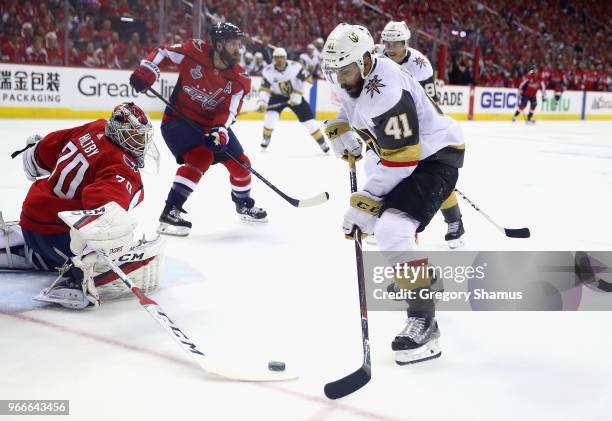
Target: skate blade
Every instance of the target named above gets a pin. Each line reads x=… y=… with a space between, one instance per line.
x=167 y=229
x=456 y=244
x=371 y=240
x=429 y=351
x=248 y=218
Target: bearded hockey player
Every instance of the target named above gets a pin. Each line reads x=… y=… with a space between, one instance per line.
x=92 y=172
x=420 y=151
x=210 y=90
x=395 y=37
x=282 y=86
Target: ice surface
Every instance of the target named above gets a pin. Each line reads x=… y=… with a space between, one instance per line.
x=286 y=291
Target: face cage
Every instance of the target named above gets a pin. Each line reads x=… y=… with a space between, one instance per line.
x=138 y=142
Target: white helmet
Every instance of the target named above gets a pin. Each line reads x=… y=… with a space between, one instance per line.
x=346 y=44
x=395 y=31
x=279 y=52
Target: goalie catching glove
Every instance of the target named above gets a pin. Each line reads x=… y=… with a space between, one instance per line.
x=342 y=139
x=363 y=213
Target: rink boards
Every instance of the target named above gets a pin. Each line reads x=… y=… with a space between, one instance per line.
x=76 y=92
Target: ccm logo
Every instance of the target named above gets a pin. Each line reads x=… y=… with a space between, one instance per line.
x=498 y=100
x=130 y=257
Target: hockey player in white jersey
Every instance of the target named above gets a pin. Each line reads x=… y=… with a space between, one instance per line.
x=282 y=85
x=420 y=151
x=310 y=60
x=395 y=37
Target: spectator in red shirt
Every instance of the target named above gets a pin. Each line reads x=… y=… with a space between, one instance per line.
x=105 y=33
x=135 y=42
x=55 y=53
x=87 y=31
x=73 y=55
x=88 y=57
x=123 y=8
x=13 y=50
x=107 y=57
x=119 y=47
x=27 y=34
x=36 y=53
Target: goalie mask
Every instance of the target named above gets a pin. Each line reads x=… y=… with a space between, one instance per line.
x=130 y=128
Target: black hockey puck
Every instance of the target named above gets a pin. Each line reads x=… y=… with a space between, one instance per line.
x=276 y=366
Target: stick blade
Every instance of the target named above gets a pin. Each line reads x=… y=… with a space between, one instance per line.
x=349 y=384
x=313 y=201
x=517 y=232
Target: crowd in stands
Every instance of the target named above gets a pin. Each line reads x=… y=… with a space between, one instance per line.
x=512 y=35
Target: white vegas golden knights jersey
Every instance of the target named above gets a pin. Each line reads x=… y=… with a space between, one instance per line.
x=420 y=67
x=284 y=83
x=400 y=122
x=311 y=64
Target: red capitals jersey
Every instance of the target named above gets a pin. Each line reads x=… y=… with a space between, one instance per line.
x=545 y=75
x=210 y=96
x=558 y=80
x=530 y=86
x=87 y=171
x=591 y=80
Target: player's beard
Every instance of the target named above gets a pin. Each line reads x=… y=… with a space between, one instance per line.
x=355 y=90
x=230 y=59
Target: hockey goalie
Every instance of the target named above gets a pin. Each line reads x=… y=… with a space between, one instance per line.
x=85 y=180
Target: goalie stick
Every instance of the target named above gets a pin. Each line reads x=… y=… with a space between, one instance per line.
x=312 y=201
x=510 y=232
x=356 y=380
x=187 y=345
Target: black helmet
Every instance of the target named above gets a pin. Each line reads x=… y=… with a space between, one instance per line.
x=224 y=31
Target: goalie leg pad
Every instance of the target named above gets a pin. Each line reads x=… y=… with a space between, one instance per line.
x=142 y=264
x=17 y=252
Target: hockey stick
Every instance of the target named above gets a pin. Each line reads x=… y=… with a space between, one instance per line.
x=271 y=107
x=358 y=379
x=186 y=344
x=510 y=232
x=312 y=201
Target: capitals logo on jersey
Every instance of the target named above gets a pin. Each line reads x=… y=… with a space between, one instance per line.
x=207 y=99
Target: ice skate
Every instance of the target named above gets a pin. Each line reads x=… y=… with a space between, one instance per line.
x=265 y=141
x=245 y=206
x=171 y=222
x=454 y=234
x=418 y=341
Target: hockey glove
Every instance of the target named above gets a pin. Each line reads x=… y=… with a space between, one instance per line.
x=262 y=106
x=295 y=99
x=108 y=229
x=342 y=139
x=363 y=213
x=30 y=166
x=144 y=76
x=217 y=139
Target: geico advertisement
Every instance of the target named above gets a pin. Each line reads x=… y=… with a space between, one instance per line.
x=506 y=100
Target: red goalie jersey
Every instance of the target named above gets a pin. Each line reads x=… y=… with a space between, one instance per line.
x=210 y=96
x=86 y=171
